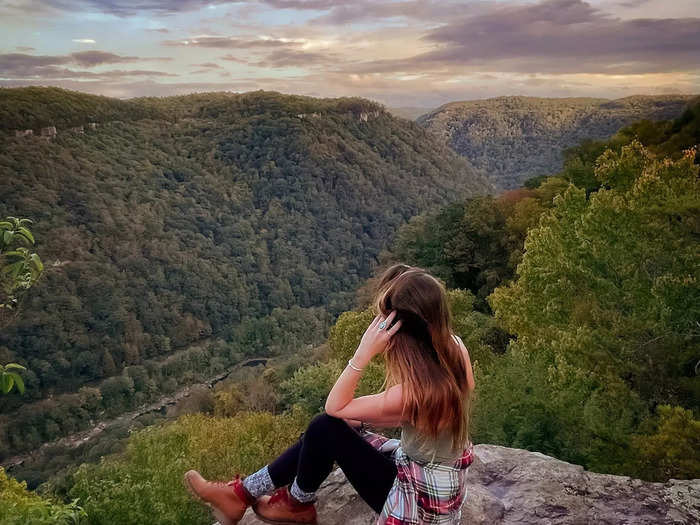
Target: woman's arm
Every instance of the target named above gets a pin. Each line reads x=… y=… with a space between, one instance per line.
x=383 y=409
x=380 y=408
x=388 y=422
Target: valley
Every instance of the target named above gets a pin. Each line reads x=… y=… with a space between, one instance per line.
x=249 y=217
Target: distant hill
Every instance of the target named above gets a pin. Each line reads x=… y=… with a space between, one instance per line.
x=409 y=112
x=251 y=217
x=515 y=138
x=38 y=107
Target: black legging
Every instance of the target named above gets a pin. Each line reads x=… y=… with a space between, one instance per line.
x=328 y=439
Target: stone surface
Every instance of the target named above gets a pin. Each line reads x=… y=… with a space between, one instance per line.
x=512 y=486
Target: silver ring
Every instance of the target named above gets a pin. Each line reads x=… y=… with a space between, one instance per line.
x=382 y=325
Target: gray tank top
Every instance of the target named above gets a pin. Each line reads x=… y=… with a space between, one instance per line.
x=425 y=449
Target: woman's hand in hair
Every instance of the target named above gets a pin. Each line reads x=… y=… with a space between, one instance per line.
x=386 y=406
x=374 y=340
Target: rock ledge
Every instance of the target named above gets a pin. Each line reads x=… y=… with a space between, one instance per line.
x=513 y=486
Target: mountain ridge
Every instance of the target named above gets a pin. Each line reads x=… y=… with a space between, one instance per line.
x=514 y=138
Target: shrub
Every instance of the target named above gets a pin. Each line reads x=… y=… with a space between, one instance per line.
x=19 y=506
x=144 y=485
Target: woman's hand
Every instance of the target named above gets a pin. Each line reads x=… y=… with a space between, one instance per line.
x=387 y=405
x=375 y=339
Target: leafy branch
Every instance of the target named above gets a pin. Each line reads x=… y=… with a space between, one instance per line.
x=20 y=268
x=8 y=378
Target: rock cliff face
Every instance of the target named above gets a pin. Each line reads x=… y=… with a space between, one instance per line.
x=512 y=486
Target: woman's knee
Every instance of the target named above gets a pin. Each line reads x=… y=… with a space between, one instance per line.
x=323 y=425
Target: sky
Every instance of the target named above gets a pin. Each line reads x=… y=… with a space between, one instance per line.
x=414 y=53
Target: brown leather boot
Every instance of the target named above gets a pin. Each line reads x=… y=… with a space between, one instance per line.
x=282 y=508
x=228 y=501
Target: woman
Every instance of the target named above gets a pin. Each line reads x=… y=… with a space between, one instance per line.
x=429 y=382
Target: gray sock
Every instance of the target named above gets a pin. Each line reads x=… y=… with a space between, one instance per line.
x=259 y=483
x=301 y=495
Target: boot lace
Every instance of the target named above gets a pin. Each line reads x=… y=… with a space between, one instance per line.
x=224 y=484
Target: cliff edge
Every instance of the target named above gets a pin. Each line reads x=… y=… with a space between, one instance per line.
x=509 y=486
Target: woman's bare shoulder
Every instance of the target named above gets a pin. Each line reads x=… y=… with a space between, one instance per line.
x=459 y=341
x=470 y=373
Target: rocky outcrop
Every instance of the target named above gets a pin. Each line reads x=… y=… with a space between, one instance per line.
x=49 y=131
x=512 y=486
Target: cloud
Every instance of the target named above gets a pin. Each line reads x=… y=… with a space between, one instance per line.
x=95 y=58
x=296 y=58
x=633 y=3
x=17 y=61
x=423 y=10
x=210 y=65
x=265 y=52
x=24 y=49
x=118 y=73
x=133 y=7
x=555 y=36
x=309 y=4
x=232 y=58
x=23 y=66
x=225 y=42
x=84 y=41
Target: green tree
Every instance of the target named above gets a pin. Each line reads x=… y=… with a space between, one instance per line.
x=670 y=447
x=19 y=270
x=608 y=286
x=19 y=506
x=19 y=266
x=465 y=243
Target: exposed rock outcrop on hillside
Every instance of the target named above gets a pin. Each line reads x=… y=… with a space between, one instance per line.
x=510 y=486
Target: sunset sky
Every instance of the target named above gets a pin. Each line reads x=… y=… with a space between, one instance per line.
x=401 y=53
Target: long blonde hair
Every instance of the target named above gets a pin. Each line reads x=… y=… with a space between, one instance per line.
x=423 y=356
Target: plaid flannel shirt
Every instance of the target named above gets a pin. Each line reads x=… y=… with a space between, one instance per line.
x=422 y=493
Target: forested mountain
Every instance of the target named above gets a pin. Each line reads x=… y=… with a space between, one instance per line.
x=515 y=138
x=251 y=217
x=38 y=107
